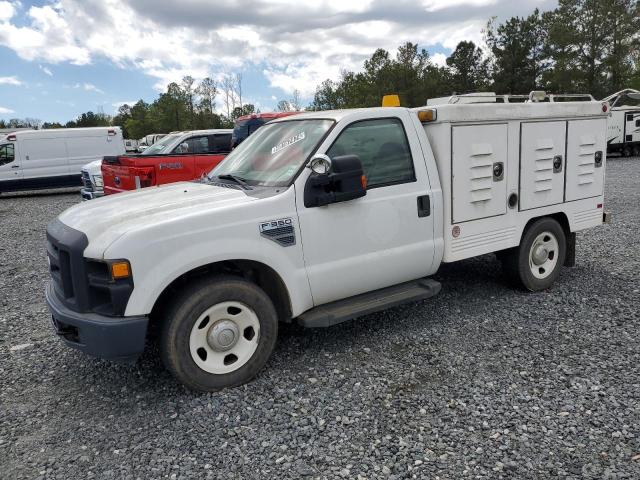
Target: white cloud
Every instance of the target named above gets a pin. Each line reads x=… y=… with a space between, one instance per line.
x=10 y=81
x=5 y=110
x=435 y=5
x=88 y=87
x=7 y=11
x=296 y=44
x=46 y=70
x=439 y=59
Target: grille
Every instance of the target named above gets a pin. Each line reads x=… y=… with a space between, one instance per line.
x=86 y=181
x=65 y=247
x=60 y=270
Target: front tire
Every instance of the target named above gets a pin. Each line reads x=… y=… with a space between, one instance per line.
x=535 y=264
x=218 y=333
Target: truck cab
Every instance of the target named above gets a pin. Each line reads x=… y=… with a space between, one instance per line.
x=320 y=218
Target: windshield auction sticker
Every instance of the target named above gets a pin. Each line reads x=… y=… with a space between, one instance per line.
x=289 y=141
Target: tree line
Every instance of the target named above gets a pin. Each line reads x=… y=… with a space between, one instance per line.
x=583 y=46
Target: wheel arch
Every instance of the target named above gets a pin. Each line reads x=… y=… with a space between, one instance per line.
x=256 y=272
x=563 y=220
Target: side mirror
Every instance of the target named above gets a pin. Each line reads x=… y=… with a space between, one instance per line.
x=344 y=180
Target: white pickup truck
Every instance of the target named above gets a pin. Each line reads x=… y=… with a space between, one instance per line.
x=323 y=217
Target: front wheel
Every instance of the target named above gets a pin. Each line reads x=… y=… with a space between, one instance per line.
x=218 y=333
x=536 y=263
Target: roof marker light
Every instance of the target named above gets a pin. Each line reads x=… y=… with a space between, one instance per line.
x=391 y=101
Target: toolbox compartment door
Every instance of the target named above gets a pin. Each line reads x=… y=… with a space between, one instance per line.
x=586 y=152
x=542 y=151
x=478 y=153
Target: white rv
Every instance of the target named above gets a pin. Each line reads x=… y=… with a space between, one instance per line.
x=36 y=159
x=623 y=129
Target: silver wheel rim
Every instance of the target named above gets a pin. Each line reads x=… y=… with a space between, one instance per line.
x=543 y=255
x=224 y=337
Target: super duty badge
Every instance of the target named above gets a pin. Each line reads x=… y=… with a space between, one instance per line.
x=280 y=231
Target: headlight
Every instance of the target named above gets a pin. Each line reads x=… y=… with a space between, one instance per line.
x=97 y=180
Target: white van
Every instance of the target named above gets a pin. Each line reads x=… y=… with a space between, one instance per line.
x=53 y=158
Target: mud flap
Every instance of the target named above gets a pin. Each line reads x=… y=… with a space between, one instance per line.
x=570 y=257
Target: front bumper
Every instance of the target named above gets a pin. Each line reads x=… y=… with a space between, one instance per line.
x=115 y=338
x=91 y=194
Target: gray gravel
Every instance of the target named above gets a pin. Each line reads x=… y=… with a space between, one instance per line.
x=481 y=381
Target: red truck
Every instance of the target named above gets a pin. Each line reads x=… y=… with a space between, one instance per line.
x=179 y=156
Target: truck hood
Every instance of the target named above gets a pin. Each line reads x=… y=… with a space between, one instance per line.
x=106 y=219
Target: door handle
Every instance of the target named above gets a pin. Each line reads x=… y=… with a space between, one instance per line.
x=15 y=166
x=424 y=206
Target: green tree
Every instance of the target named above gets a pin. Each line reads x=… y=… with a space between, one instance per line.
x=411 y=75
x=519 y=53
x=469 y=68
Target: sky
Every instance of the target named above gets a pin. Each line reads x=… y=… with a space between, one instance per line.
x=64 y=57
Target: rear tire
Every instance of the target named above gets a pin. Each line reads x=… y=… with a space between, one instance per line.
x=535 y=264
x=219 y=332
x=626 y=151
x=636 y=151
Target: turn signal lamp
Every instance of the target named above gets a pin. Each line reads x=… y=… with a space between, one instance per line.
x=427 y=115
x=363 y=182
x=391 y=101
x=120 y=270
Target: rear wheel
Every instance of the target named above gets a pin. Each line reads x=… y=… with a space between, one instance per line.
x=536 y=263
x=636 y=150
x=626 y=151
x=218 y=333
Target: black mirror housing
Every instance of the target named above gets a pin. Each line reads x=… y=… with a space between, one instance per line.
x=344 y=182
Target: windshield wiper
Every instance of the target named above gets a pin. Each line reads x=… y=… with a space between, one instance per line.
x=235 y=178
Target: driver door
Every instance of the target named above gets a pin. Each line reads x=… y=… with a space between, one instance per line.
x=10 y=170
x=383 y=238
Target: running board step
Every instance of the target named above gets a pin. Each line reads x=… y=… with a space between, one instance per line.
x=370 y=302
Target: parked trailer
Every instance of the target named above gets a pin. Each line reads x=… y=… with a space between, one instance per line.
x=623 y=130
x=35 y=159
x=323 y=217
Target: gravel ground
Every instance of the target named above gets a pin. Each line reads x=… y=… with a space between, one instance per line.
x=481 y=381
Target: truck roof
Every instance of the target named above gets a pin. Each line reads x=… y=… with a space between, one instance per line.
x=479 y=111
x=62 y=132
x=266 y=115
x=210 y=130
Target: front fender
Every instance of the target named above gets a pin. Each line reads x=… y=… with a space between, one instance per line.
x=162 y=252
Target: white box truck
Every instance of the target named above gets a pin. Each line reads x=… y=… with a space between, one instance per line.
x=323 y=217
x=623 y=130
x=36 y=159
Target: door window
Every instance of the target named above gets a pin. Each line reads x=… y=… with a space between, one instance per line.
x=220 y=143
x=7 y=153
x=382 y=147
x=198 y=145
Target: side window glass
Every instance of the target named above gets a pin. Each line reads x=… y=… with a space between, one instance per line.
x=198 y=145
x=220 y=143
x=382 y=147
x=7 y=154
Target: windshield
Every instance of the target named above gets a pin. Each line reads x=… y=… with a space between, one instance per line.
x=162 y=145
x=273 y=155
